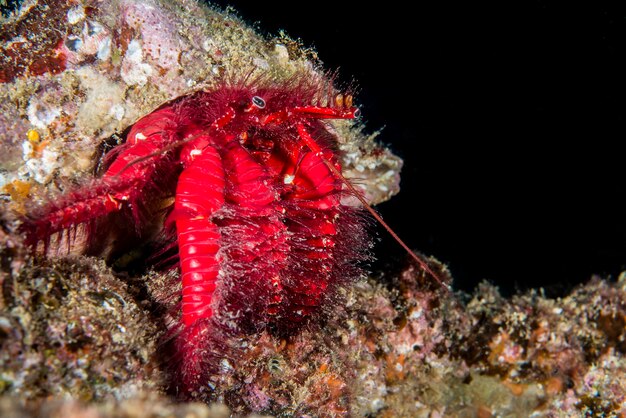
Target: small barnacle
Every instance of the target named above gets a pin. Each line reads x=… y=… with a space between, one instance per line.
x=75 y=15
x=226 y=366
x=108 y=299
x=276 y=365
x=42 y=114
x=74 y=43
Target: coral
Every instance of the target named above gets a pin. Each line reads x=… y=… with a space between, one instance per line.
x=70 y=328
x=573 y=347
x=430 y=353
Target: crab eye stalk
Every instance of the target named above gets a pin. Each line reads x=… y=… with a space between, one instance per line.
x=347 y=100
x=258 y=102
x=339 y=100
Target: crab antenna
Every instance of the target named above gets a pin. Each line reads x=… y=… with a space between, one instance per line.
x=310 y=142
x=380 y=220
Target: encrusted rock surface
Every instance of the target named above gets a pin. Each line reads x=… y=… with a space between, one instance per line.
x=396 y=346
x=80 y=339
x=76 y=73
x=140 y=406
x=70 y=328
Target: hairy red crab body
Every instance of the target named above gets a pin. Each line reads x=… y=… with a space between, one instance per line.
x=263 y=237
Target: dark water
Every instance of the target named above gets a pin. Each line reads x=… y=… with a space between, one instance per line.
x=8 y=6
x=508 y=117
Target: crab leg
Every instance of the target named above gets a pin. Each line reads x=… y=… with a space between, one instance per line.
x=310 y=112
x=306 y=138
x=123 y=182
x=313 y=258
x=310 y=204
x=257 y=236
x=229 y=236
x=199 y=194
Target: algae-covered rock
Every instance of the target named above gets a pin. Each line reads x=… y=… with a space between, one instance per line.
x=73 y=74
x=399 y=346
x=145 y=405
x=68 y=327
x=79 y=339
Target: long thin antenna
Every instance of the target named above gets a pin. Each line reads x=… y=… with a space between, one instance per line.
x=379 y=219
x=315 y=148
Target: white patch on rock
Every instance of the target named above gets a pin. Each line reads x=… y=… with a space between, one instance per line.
x=41 y=169
x=210 y=45
x=261 y=63
x=104 y=108
x=93 y=28
x=27 y=150
x=75 y=15
x=117 y=111
x=281 y=53
x=104 y=49
x=134 y=70
x=41 y=115
x=225 y=365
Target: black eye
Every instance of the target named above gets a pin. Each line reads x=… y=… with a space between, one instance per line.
x=258 y=102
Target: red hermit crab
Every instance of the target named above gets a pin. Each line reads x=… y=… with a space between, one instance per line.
x=244 y=178
x=263 y=236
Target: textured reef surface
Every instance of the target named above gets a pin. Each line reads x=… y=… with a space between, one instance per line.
x=74 y=74
x=80 y=337
x=399 y=346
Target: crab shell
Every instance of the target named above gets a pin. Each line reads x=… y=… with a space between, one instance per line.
x=74 y=73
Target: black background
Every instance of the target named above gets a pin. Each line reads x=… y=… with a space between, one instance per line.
x=509 y=119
